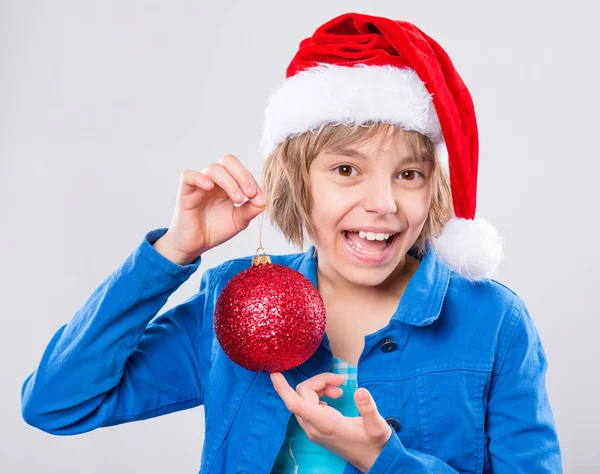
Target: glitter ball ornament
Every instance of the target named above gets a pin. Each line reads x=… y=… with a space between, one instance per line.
x=269 y=317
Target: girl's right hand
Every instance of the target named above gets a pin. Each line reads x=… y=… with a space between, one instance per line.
x=205 y=215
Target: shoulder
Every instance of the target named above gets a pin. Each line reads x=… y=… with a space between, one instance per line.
x=489 y=295
x=488 y=310
x=500 y=315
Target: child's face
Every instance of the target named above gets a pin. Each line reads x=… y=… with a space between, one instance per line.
x=383 y=192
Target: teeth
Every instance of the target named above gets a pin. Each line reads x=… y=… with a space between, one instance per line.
x=373 y=236
x=369 y=236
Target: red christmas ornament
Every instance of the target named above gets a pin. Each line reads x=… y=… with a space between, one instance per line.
x=269 y=317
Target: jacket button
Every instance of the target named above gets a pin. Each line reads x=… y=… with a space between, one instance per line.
x=387 y=345
x=393 y=423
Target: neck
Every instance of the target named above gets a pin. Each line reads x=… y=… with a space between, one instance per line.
x=332 y=282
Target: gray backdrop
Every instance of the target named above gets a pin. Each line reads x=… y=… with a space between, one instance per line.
x=104 y=104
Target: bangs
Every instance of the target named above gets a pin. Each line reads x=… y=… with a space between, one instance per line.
x=333 y=138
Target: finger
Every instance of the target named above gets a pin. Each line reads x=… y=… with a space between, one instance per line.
x=242 y=215
x=222 y=178
x=375 y=425
x=316 y=384
x=330 y=391
x=244 y=178
x=192 y=180
x=294 y=402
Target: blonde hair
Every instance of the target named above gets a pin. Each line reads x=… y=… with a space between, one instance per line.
x=286 y=181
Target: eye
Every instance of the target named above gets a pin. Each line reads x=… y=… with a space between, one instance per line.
x=345 y=169
x=409 y=175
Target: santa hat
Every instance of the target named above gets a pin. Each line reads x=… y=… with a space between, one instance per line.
x=358 y=68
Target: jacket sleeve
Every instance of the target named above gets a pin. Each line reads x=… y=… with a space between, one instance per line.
x=111 y=364
x=519 y=423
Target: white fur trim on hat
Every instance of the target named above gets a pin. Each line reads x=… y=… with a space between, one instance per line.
x=332 y=94
x=471 y=248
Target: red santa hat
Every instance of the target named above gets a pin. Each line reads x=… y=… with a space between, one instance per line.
x=358 y=68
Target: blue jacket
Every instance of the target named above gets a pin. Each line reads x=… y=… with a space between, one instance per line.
x=459 y=372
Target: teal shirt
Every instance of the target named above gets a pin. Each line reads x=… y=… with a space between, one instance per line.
x=298 y=454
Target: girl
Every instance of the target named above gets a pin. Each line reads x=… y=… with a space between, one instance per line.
x=427 y=365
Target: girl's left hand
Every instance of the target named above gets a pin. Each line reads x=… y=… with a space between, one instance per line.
x=358 y=440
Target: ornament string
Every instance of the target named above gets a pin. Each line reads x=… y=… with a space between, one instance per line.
x=260 y=219
x=260 y=258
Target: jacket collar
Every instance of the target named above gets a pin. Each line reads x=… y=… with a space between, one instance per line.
x=423 y=297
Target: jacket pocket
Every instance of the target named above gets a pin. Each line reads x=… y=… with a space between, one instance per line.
x=451 y=398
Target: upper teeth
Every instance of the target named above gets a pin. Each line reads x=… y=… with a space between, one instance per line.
x=373 y=235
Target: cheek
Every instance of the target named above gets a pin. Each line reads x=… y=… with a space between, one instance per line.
x=329 y=201
x=416 y=207
x=326 y=212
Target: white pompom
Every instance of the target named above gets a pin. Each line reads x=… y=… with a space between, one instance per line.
x=471 y=248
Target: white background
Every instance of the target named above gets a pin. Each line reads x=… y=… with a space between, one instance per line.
x=103 y=104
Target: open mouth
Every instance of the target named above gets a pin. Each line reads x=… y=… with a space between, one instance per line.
x=366 y=246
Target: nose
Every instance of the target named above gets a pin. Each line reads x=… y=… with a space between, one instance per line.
x=379 y=197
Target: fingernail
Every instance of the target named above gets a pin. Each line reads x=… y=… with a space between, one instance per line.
x=362 y=397
x=260 y=198
x=239 y=195
x=251 y=189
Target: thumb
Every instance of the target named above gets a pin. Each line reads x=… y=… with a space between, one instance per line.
x=375 y=425
x=246 y=212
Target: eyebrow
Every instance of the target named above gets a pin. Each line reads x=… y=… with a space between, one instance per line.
x=357 y=154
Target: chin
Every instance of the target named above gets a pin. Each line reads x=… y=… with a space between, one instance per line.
x=367 y=278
